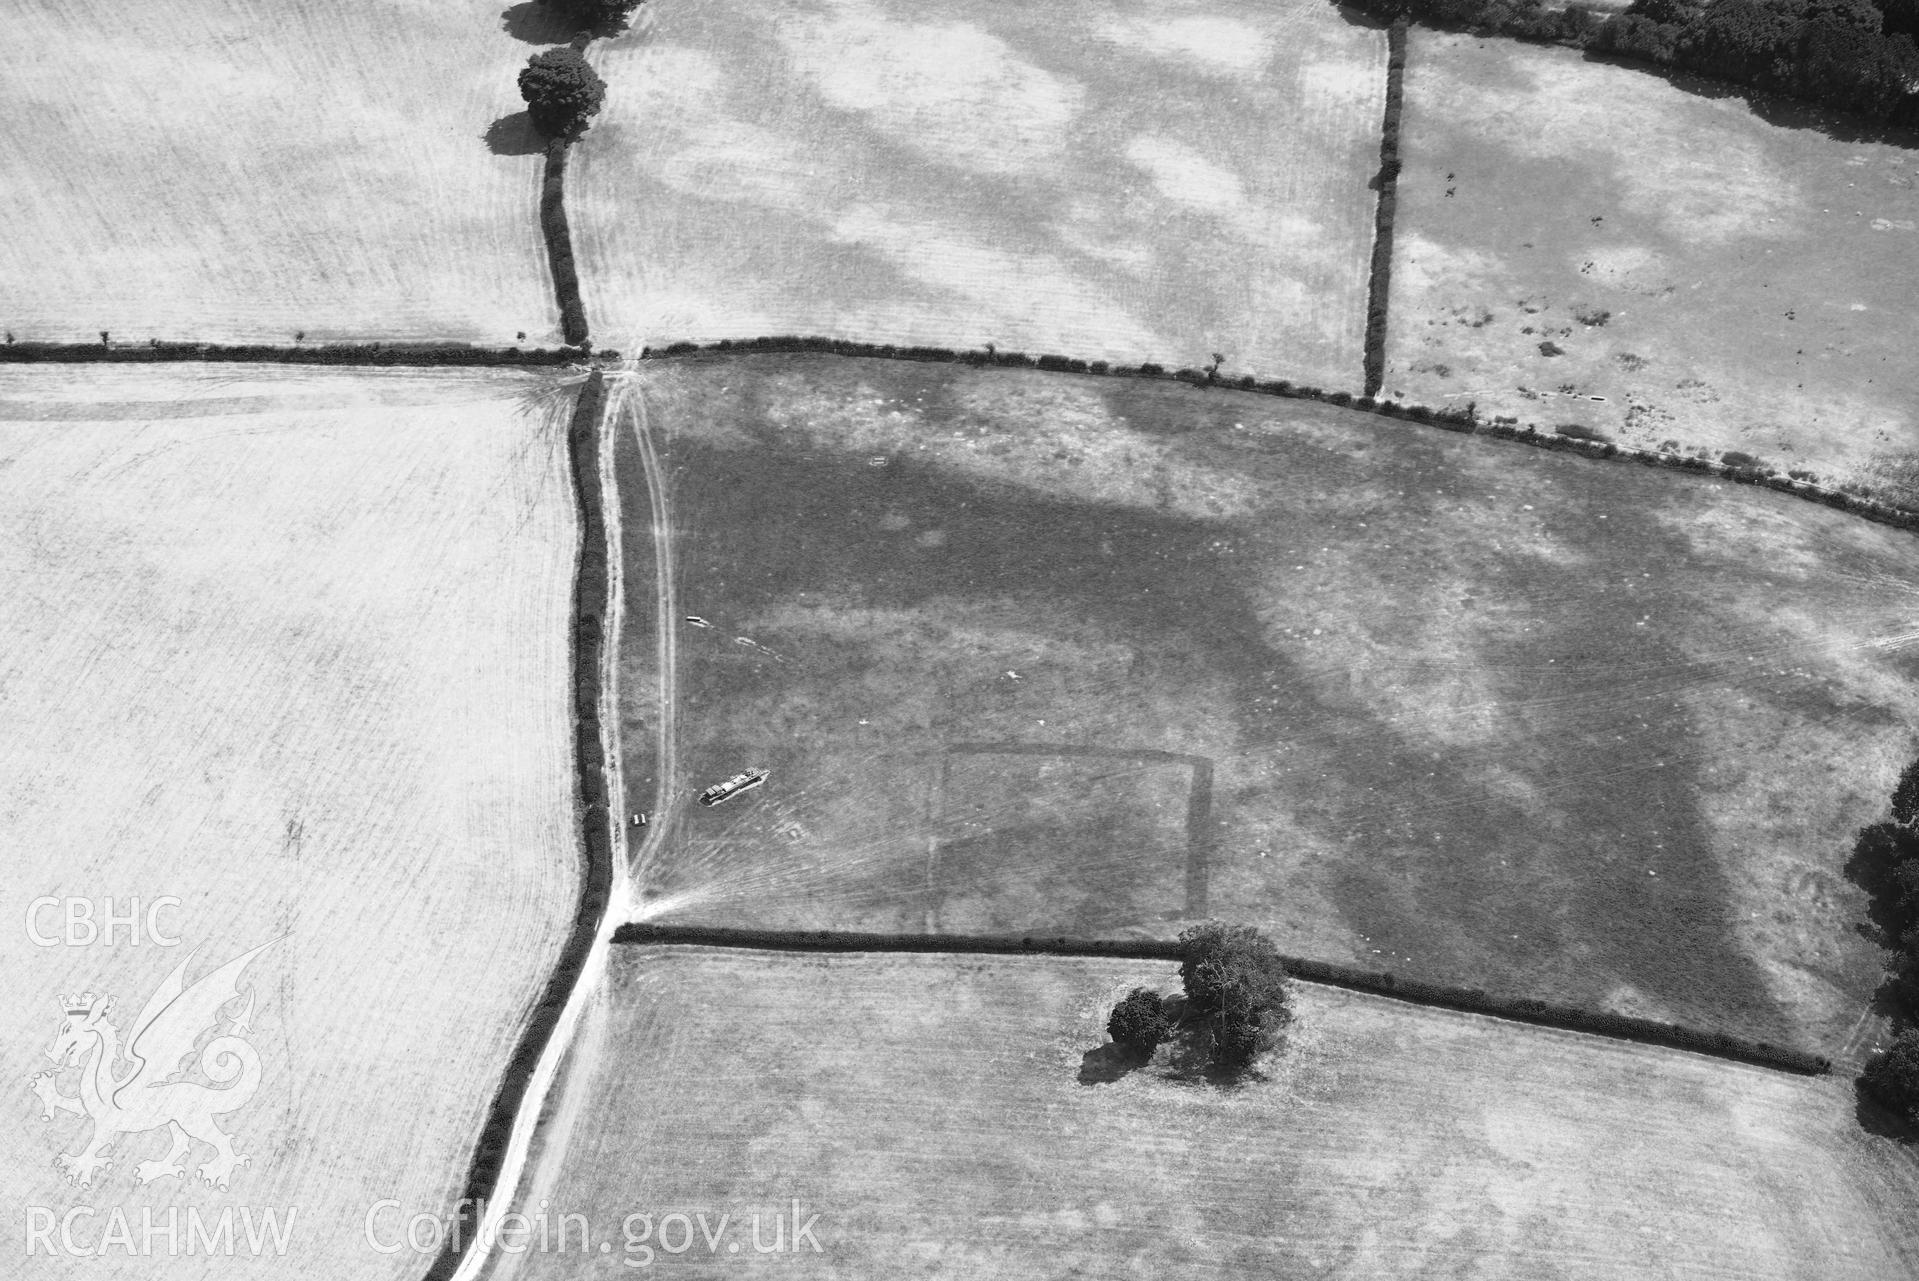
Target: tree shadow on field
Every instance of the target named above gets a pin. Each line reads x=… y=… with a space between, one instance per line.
x=1109 y=1062
x=514 y=135
x=537 y=24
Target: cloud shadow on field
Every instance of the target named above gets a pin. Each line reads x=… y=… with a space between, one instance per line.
x=963 y=213
x=514 y=135
x=1609 y=880
x=536 y=24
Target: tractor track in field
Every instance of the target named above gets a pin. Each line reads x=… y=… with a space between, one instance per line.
x=666 y=606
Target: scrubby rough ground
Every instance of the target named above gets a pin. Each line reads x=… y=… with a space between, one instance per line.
x=948 y=1115
x=293 y=648
x=1118 y=181
x=219 y=171
x=1478 y=713
x=1727 y=280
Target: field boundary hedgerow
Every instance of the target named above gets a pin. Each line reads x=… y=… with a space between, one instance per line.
x=592 y=601
x=1380 y=281
x=559 y=246
x=1465 y=422
x=559 y=236
x=369 y=353
x=1618 y=1027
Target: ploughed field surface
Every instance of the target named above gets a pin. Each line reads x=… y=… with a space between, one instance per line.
x=1474 y=712
x=949 y=1115
x=1729 y=277
x=292 y=648
x=219 y=171
x=1108 y=181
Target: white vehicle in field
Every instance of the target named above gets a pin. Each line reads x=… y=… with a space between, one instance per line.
x=733 y=786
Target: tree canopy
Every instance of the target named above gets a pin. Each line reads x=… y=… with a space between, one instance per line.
x=1893 y=1075
x=1235 y=985
x=1139 y=1021
x=562 y=91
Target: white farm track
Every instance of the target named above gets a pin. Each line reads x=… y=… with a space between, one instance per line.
x=580 y=1032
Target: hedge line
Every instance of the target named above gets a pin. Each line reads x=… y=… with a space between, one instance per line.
x=1379 y=290
x=1467 y=1000
x=991 y=357
x=1459 y=420
x=261 y=353
x=559 y=245
x=591 y=601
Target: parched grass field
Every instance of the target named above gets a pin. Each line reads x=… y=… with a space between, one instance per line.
x=293 y=648
x=1729 y=279
x=954 y=1116
x=217 y=170
x=1120 y=180
x=1478 y=713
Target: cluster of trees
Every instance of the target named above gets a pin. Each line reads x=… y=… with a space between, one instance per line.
x=1236 y=999
x=1891 y=850
x=1853 y=55
x=1846 y=54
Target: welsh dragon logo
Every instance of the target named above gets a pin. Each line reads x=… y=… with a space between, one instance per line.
x=146 y=1094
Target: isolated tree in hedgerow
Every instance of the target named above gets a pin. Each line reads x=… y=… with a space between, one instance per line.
x=561 y=91
x=1235 y=988
x=1138 y=1023
x=1893 y=1075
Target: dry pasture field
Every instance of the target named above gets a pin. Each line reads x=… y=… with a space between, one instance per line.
x=954 y=1116
x=1117 y=181
x=1477 y=713
x=1727 y=280
x=291 y=647
x=220 y=171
